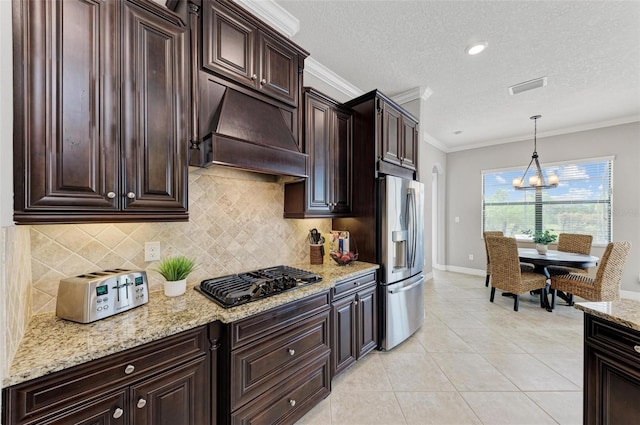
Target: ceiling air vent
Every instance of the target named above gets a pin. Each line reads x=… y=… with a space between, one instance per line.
x=528 y=85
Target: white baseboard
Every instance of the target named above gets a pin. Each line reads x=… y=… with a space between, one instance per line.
x=466 y=270
x=631 y=295
x=428 y=276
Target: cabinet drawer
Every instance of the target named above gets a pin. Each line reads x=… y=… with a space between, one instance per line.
x=271 y=321
x=612 y=337
x=265 y=364
x=288 y=403
x=68 y=387
x=349 y=286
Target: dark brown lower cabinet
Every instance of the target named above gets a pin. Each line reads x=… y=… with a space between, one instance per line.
x=162 y=382
x=274 y=366
x=353 y=321
x=611 y=373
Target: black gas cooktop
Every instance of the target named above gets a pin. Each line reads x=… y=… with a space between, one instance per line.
x=237 y=289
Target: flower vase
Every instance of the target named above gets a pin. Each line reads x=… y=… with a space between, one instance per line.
x=175 y=288
x=542 y=248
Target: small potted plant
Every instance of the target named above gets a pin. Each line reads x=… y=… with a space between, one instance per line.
x=175 y=271
x=542 y=240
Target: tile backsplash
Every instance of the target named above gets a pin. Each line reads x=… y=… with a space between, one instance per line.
x=235 y=224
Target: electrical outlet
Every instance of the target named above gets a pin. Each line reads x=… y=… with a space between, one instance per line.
x=152 y=251
x=470 y=257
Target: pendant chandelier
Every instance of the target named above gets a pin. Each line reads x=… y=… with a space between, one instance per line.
x=536 y=181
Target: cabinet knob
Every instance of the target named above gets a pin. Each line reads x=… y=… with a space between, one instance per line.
x=141 y=403
x=263 y=82
x=292 y=402
x=292 y=352
x=355 y=303
x=131 y=195
x=111 y=195
x=254 y=77
x=129 y=369
x=117 y=413
x=637 y=348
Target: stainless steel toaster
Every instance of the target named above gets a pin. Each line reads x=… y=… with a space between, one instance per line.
x=94 y=296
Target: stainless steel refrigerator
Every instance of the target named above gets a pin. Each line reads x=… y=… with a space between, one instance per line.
x=401 y=257
x=388 y=227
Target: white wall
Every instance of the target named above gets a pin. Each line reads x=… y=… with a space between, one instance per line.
x=464 y=189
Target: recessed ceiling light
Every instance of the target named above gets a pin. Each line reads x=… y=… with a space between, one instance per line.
x=475 y=48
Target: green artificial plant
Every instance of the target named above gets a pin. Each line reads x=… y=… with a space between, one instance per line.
x=544 y=238
x=176 y=268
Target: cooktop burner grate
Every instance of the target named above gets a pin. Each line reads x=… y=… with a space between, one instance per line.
x=237 y=289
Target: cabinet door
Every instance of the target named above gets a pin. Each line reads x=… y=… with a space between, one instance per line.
x=228 y=45
x=154 y=112
x=344 y=351
x=391 y=134
x=111 y=409
x=278 y=70
x=342 y=162
x=367 y=321
x=179 y=396
x=317 y=145
x=65 y=106
x=409 y=143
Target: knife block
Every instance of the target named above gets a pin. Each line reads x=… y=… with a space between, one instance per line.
x=315 y=254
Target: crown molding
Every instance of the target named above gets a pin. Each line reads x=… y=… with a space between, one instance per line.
x=321 y=72
x=422 y=93
x=434 y=142
x=273 y=14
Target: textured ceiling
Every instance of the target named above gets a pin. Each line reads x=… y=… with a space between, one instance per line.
x=589 y=50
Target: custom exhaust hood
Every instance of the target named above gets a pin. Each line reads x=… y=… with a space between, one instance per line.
x=246 y=133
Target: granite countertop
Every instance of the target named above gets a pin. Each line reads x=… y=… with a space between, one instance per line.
x=624 y=312
x=51 y=344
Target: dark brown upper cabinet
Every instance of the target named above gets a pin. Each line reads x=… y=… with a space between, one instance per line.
x=100 y=112
x=237 y=47
x=399 y=136
x=328 y=139
x=386 y=133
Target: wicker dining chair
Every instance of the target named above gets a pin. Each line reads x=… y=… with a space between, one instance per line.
x=575 y=243
x=486 y=249
x=506 y=273
x=523 y=266
x=604 y=287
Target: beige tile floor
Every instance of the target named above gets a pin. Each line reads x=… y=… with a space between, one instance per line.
x=472 y=362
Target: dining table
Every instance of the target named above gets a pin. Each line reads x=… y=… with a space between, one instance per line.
x=540 y=263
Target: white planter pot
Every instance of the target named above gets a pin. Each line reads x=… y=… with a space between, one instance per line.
x=542 y=249
x=175 y=288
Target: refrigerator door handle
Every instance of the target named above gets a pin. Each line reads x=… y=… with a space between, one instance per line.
x=406 y=288
x=413 y=229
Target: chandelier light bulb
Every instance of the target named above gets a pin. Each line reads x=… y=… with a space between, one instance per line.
x=517 y=182
x=553 y=179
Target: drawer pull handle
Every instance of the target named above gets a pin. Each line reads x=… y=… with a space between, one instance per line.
x=292 y=402
x=131 y=195
x=292 y=352
x=111 y=195
x=637 y=348
x=129 y=369
x=141 y=403
x=117 y=413
x=263 y=82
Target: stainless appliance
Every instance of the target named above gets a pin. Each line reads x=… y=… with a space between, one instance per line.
x=237 y=289
x=401 y=257
x=97 y=295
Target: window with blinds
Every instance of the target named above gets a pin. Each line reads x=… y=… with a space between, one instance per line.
x=580 y=204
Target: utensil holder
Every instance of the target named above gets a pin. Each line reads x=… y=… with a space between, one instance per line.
x=316 y=254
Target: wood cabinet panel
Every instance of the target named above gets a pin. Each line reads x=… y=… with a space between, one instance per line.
x=328 y=140
x=410 y=143
x=391 y=149
x=108 y=410
x=97 y=82
x=354 y=321
x=179 y=396
x=154 y=100
x=286 y=403
x=344 y=350
x=76 y=387
x=611 y=373
x=238 y=47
